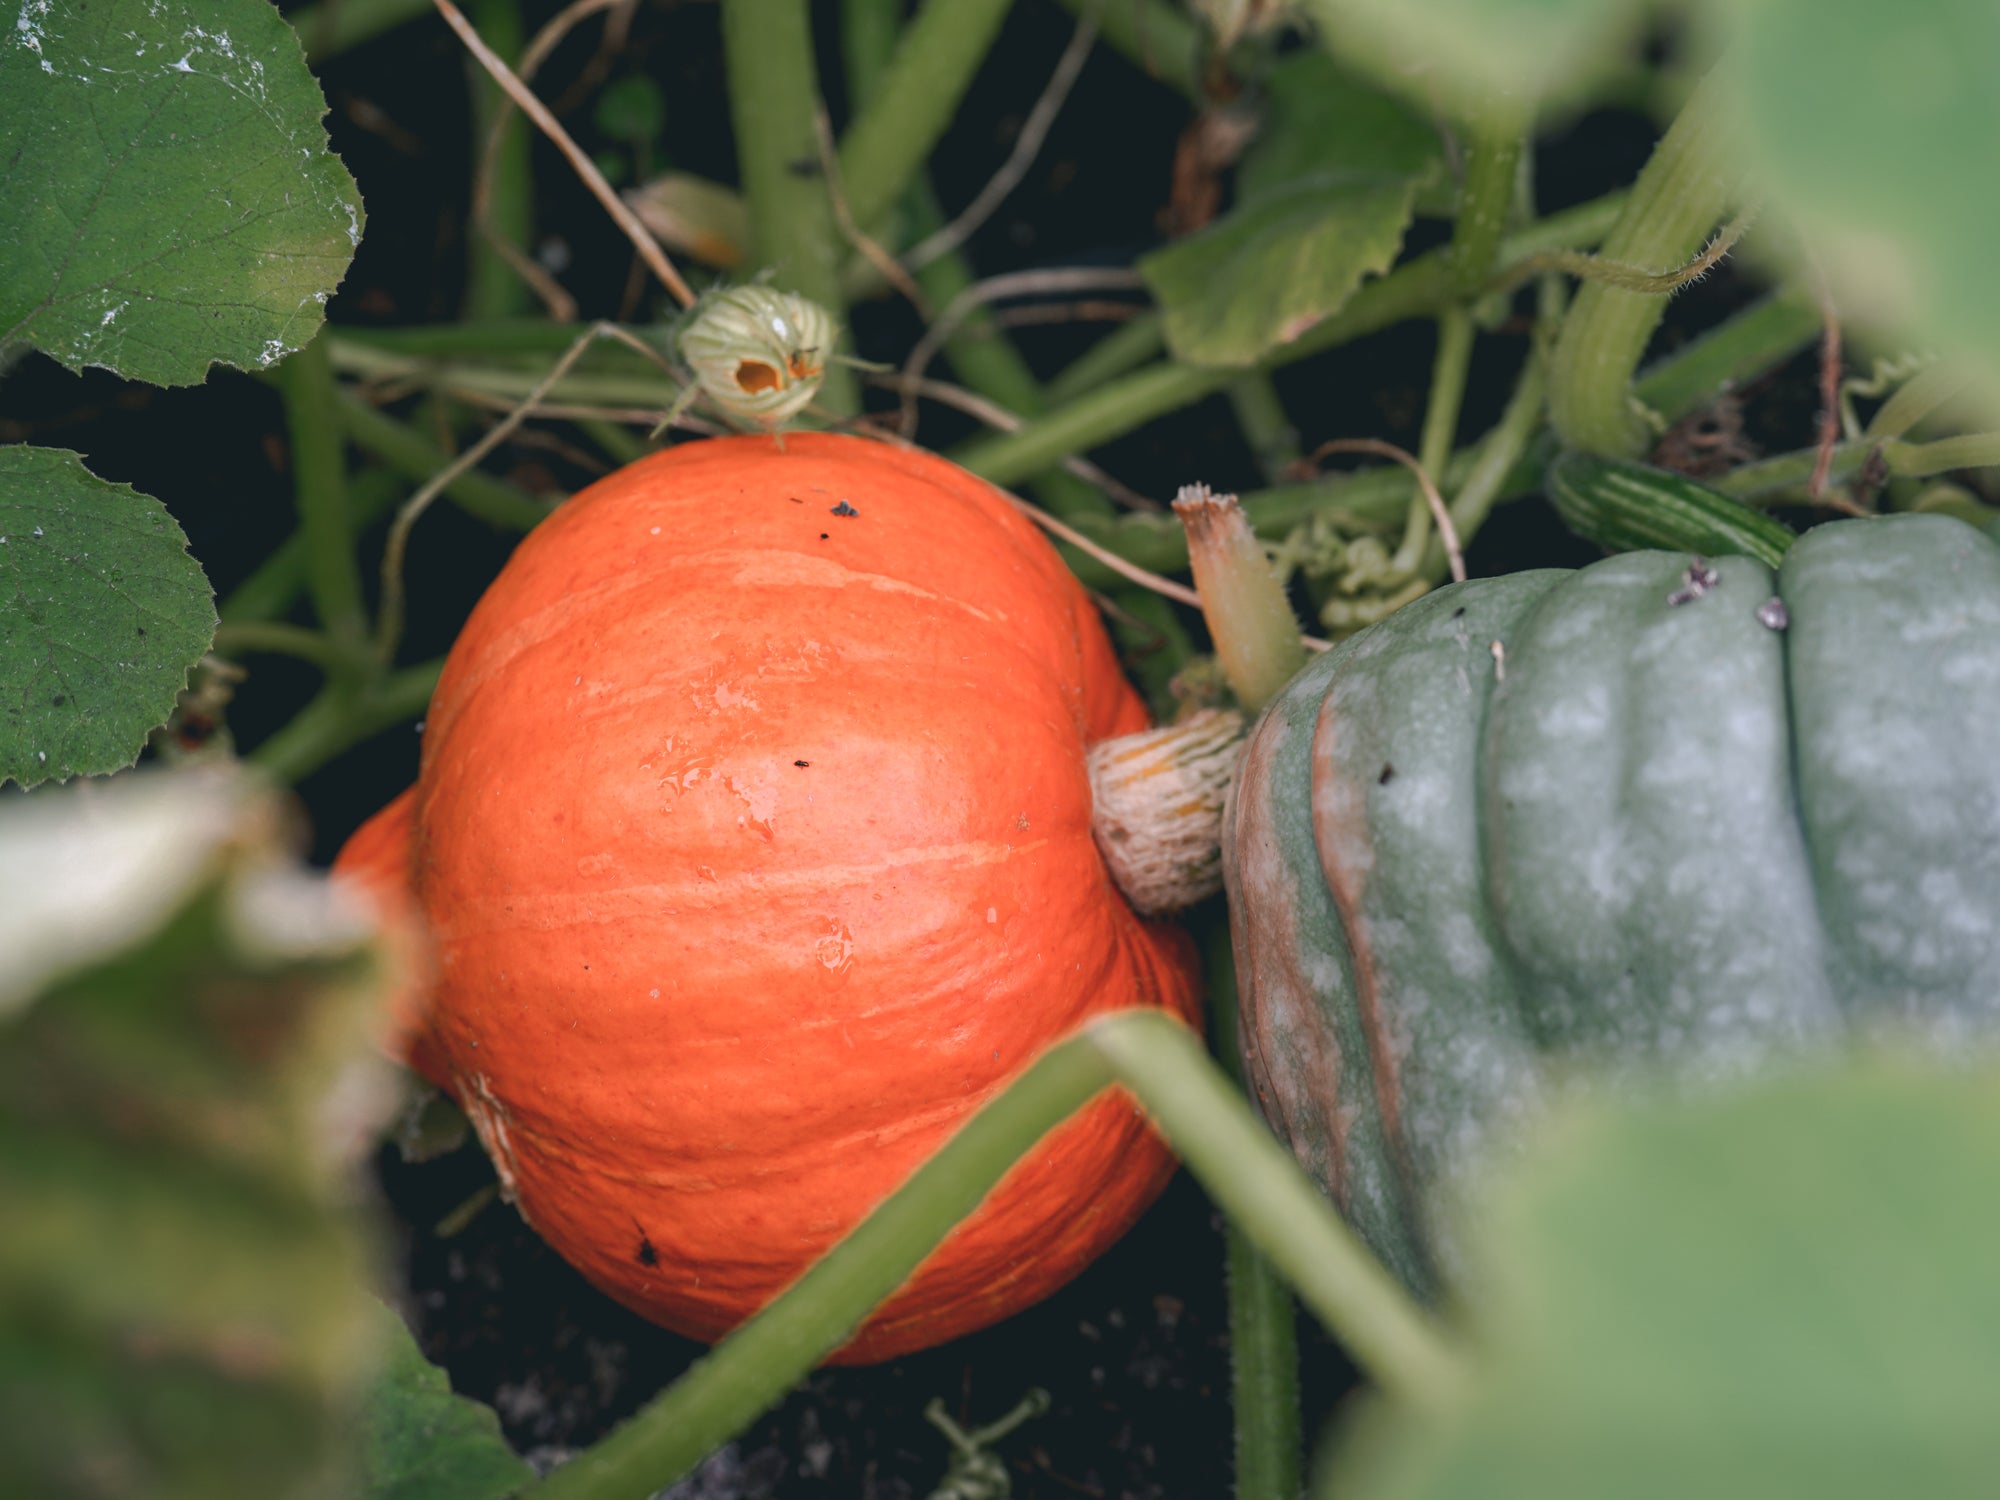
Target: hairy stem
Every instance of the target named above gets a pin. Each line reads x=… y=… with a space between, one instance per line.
x=1492 y=162
x=1690 y=182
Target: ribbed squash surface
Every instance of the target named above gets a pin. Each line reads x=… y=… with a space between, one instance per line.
x=1557 y=817
x=753 y=838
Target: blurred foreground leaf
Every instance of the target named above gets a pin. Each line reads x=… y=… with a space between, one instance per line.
x=1890 y=174
x=184 y=1082
x=1468 y=54
x=170 y=201
x=421 y=1442
x=1785 y=1292
x=102 y=614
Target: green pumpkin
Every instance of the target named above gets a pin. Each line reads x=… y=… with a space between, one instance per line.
x=1608 y=817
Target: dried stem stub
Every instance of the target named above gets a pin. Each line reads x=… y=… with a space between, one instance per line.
x=1156 y=811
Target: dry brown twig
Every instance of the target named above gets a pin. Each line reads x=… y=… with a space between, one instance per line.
x=1447 y=533
x=621 y=212
x=1027 y=146
x=843 y=217
x=555 y=297
x=1013 y=284
x=995 y=415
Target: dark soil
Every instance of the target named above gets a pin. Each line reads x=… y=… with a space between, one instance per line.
x=1135 y=1352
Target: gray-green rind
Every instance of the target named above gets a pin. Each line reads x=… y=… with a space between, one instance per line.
x=1623 y=817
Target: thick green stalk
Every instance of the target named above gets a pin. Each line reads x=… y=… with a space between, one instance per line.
x=1500 y=451
x=914 y=98
x=622 y=444
x=1690 y=183
x=274 y=587
x=774 y=101
x=637 y=390
x=982 y=356
x=1248 y=1173
x=1492 y=163
x=275 y=638
x=1273 y=440
x=493 y=289
x=1119 y=352
x=1419 y=288
x=1158 y=38
x=1782 y=478
x=415 y=456
x=1729 y=355
x=868 y=33
x=1447 y=395
x=345 y=714
x=1263 y=1332
x=319 y=481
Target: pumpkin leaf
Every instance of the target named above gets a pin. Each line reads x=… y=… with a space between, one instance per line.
x=1784 y=1291
x=171 y=201
x=1320 y=120
x=419 y=1441
x=102 y=613
x=185 y=1079
x=1274 y=267
x=1887 y=177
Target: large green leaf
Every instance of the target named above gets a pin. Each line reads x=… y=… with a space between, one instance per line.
x=1785 y=1292
x=1273 y=268
x=1323 y=196
x=1322 y=122
x=102 y=613
x=169 y=198
x=1889 y=173
x=185 y=1081
x=421 y=1442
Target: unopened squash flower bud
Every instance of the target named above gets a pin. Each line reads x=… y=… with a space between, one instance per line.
x=757 y=353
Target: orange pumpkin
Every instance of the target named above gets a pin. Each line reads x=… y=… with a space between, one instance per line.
x=753 y=839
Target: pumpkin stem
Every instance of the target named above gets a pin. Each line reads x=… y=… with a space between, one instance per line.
x=1157 y=808
x=1256 y=634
